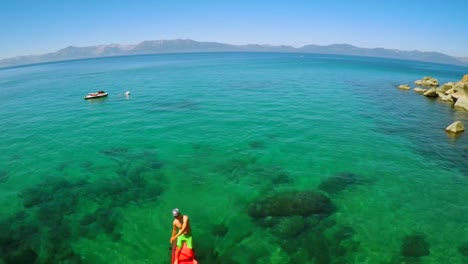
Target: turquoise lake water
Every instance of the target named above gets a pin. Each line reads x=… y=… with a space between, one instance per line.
x=94 y=181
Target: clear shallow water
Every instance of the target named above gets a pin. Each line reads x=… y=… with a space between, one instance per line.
x=95 y=181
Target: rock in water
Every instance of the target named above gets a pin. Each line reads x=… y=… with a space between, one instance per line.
x=420 y=90
x=404 y=87
x=431 y=93
x=427 y=81
x=455 y=127
x=415 y=245
x=462 y=102
x=303 y=203
x=338 y=182
x=463 y=249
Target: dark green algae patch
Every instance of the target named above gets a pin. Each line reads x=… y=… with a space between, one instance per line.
x=58 y=212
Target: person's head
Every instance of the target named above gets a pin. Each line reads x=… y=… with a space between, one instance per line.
x=175 y=212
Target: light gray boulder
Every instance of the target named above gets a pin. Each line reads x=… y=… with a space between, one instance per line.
x=431 y=93
x=420 y=90
x=455 y=127
x=427 y=81
x=446 y=97
x=450 y=91
x=404 y=87
x=461 y=87
x=462 y=102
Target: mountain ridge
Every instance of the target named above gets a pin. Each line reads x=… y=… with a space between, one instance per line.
x=188 y=45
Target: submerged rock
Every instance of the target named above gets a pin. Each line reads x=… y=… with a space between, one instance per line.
x=415 y=245
x=26 y=255
x=463 y=249
x=257 y=144
x=302 y=203
x=290 y=227
x=4 y=176
x=338 y=182
x=219 y=230
x=44 y=232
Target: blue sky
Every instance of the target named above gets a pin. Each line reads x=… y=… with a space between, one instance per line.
x=41 y=26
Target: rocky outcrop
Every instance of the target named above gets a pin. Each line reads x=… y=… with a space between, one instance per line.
x=427 y=81
x=404 y=87
x=449 y=92
x=455 y=127
x=452 y=92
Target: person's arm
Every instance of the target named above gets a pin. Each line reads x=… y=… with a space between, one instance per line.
x=183 y=228
x=173 y=233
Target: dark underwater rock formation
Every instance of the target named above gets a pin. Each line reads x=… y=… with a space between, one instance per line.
x=300 y=223
x=257 y=144
x=338 y=182
x=290 y=227
x=274 y=173
x=219 y=230
x=4 y=175
x=44 y=232
x=415 y=245
x=302 y=203
x=115 y=152
x=463 y=249
x=16 y=240
x=24 y=255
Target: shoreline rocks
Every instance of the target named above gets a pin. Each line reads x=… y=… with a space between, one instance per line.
x=452 y=92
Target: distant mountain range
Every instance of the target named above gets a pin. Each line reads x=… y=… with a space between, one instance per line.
x=187 y=45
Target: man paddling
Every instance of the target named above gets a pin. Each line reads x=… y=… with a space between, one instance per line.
x=184 y=234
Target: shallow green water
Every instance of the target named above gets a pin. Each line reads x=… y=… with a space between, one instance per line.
x=94 y=181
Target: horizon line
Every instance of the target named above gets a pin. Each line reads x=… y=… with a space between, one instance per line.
x=235 y=45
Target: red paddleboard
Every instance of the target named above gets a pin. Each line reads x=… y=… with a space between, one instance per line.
x=186 y=254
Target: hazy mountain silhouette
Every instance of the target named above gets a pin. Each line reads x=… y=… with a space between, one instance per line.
x=187 y=45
